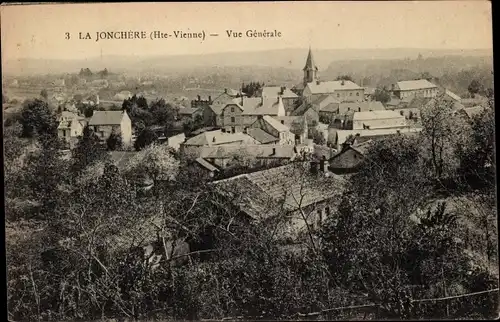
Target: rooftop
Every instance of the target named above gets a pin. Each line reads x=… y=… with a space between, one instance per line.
x=275 y=123
x=261 y=135
x=414 y=85
x=376 y=115
x=106 y=118
x=272 y=151
x=217 y=137
x=332 y=86
x=286 y=188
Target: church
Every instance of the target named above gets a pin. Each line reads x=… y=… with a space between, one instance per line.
x=313 y=88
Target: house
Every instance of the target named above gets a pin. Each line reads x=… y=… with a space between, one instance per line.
x=275 y=128
x=289 y=98
x=91 y=100
x=411 y=108
x=103 y=123
x=450 y=96
x=70 y=127
x=350 y=158
x=192 y=147
x=312 y=110
x=377 y=120
x=478 y=100
x=260 y=106
x=293 y=197
x=225 y=156
x=297 y=125
x=338 y=137
x=420 y=87
x=175 y=141
x=338 y=113
x=262 y=136
x=189 y=113
x=342 y=90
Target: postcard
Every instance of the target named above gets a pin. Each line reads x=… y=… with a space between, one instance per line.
x=286 y=160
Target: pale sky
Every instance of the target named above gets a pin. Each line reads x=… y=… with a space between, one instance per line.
x=38 y=31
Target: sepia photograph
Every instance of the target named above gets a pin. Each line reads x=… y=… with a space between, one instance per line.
x=288 y=160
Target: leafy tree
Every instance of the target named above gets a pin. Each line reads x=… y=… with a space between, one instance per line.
x=475 y=87
x=155 y=161
x=163 y=114
x=318 y=137
x=344 y=77
x=44 y=94
x=114 y=141
x=381 y=95
x=88 y=150
x=37 y=118
x=145 y=138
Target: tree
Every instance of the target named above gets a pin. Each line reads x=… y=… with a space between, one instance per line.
x=155 y=161
x=145 y=138
x=381 y=95
x=88 y=150
x=44 y=94
x=318 y=137
x=252 y=89
x=344 y=77
x=163 y=114
x=475 y=87
x=114 y=141
x=37 y=118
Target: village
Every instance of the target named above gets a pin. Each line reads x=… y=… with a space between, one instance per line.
x=141 y=195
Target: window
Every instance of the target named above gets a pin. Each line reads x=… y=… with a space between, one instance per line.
x=350 y=94
x=338 y=95
x=232 y=109
x=232 y=119
x=357 y=94
x=233 y=130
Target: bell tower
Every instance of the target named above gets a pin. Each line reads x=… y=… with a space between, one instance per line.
x=310 y=69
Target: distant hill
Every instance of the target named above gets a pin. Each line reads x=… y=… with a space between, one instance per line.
x=286 y=58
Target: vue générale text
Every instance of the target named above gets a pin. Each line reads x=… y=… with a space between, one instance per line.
x=179 y=34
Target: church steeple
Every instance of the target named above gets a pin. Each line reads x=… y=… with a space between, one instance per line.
x=310 y=69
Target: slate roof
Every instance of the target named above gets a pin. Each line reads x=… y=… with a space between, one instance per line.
x=207 y=138
x=275 y=123
x=452 y=95
x=207 y=165
x=310 y=61
x=274 y=91
x=270 y=192
x=106 y=118
x=344 y=107
x=261 y=135
x=294 y=123
x=187 y=110
x=263 y=151
x=332 y=86
x=260 y=106
x=411 y=85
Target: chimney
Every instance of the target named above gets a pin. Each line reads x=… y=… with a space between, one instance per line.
x=359 y=109
x=322 y=164
x=282 y=121
x=317 y=82
x=348 y=108
x=225 y=90
x=213 y=140
x=282 y=90
x=342 y=83
x=274 y=151
x=245 y=130
x=393 y=87
x=199 y=98
x=209 y=99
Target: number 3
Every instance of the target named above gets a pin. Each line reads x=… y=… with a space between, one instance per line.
x=67 y=35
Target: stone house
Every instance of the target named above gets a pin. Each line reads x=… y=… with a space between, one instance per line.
x=275 y=128
x=104 y=123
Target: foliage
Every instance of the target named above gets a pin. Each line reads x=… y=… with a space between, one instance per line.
x=88 y=150
x=85 y=72
x=475 y=87
x=252 y=89
x=155 y=161
x=114 y=141
x=37 y=119
x=44 y=94
x=344 y=77
x=317 y=136
x=381 y=95
x=146 y=137
x=164 y=114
